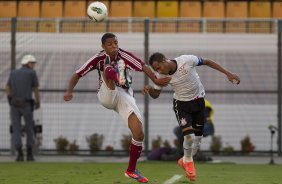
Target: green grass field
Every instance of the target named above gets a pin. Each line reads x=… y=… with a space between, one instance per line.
x=157 y=173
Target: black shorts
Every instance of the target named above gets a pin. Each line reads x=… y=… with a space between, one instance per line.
x=190 y=113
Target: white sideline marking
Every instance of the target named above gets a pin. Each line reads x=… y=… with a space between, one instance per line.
x=173 y=179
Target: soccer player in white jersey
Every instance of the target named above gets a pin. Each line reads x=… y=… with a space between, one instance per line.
x=115 y=92
x=188 y=99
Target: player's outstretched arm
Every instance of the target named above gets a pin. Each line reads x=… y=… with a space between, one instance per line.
x=8 y=90
x=232 y=77
x=160 y=82
x=37 y=97
x=154 y=93
x=68 y=95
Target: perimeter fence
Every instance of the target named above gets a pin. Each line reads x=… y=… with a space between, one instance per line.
x=248 y=47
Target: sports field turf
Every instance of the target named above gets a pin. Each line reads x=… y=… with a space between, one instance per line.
x=157 y=173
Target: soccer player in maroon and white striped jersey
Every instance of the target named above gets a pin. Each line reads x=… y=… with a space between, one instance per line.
x=115 y=92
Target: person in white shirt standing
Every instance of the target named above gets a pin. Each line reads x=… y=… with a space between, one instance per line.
x=188 y=99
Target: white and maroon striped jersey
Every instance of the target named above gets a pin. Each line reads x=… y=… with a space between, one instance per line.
x=131 y=61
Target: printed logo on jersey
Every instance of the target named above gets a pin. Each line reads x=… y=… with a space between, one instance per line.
x=183 y=122
x=182 y=70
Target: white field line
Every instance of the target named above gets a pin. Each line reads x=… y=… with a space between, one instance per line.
x=173 y=179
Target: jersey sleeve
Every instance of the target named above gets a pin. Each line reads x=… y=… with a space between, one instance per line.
x=90 y=65
x=35 y=82
x=132 y=62
x=192 y=60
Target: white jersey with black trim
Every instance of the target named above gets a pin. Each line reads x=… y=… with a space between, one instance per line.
x=186 y=82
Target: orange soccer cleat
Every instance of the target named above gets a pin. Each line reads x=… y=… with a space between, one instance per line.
x=189 y=169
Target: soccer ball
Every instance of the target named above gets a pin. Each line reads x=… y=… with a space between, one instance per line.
x=97 y=11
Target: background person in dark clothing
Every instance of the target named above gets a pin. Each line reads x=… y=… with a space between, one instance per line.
x=208 y=126
x=21 y=83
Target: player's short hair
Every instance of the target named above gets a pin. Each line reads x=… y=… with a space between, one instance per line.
x=157 y=56
x=106 y=36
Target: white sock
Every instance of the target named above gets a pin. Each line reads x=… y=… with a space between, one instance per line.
x=196 y=144
x=188 y=148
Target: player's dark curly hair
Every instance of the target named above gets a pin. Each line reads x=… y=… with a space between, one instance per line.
x=106 y=36
x=157 y=56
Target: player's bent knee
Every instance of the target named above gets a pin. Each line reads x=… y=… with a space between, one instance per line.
x=109 y=83
x=138 y=136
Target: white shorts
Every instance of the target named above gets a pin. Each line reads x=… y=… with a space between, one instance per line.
x=119 y=100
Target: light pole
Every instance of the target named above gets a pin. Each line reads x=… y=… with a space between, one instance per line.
x=272 y=132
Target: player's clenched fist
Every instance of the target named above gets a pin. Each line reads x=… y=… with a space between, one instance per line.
x=146 y=89
x=233 y=78
x=68 y=96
